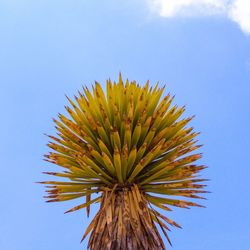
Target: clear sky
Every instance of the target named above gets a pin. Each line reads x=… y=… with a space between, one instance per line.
x=51 y=48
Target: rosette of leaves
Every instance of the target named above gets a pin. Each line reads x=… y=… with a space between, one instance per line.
x=127 y=149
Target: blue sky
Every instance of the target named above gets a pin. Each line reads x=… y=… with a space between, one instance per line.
x=52 y=48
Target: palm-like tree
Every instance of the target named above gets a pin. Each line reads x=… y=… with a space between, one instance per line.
x=129 y=149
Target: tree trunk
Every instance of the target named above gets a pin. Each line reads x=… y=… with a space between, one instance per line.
x=124 y=222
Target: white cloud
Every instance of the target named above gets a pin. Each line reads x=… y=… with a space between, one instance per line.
x=236 y=10
x=240 y=13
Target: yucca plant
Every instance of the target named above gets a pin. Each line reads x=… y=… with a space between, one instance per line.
x=128 y=148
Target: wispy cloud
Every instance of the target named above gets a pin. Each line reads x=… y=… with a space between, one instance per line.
x=236 y=10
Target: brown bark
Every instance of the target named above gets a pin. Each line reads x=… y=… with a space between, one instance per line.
x=125 y=222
